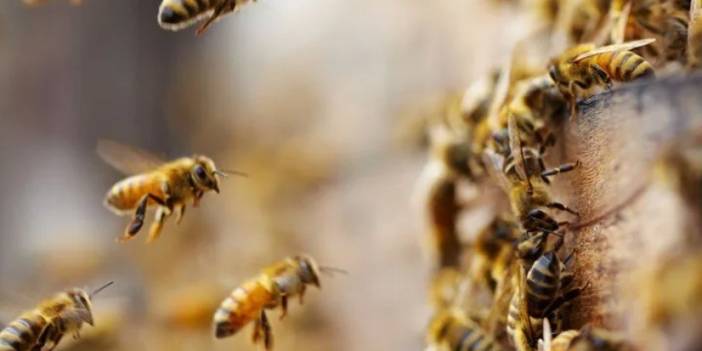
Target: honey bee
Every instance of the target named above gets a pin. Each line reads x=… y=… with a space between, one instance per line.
x=538 y=297
x=493 y=250
x=179 y=14
x=527 y=192
x=50 y=321
x=453 y=330
x=580 y=69
x=167 y=185
x=271 y=289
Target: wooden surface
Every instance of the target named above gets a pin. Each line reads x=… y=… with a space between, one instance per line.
x=628 y=219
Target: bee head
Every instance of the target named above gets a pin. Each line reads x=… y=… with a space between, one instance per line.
x=309 y=270
x=83 y=310
x=204 y=174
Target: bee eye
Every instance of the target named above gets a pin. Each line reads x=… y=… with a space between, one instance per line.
x=200 y=172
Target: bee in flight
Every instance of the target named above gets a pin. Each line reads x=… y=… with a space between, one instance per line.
x=179 y=14
x=581 y=68
x=270 y=289
x=46 y=325
x=168 y=185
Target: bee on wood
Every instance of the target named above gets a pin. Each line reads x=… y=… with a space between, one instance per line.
x=175 y=15
x=166 y=185
x=44 y=327
x=584 y=67
x=271 y=289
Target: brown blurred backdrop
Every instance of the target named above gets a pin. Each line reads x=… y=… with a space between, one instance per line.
x=307 y=96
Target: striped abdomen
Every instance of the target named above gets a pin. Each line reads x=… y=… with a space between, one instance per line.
x=542 y=284
x=623 y=66
x=518 y=330
x=469 y=337
x=125 y=194
x=23 y=333
x=178 y=14
x=241 y=307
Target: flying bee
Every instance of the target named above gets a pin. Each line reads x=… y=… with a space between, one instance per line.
x=46 y=325
x=272 y=288
x=581 y=68
x=179 y=14
x=451 y=328
x=167 y=185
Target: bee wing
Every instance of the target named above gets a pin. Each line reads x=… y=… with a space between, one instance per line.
x=494 y=163
x=127 y=159
x=695 y=7
x=620 y=20
x=515 y=144
x=523 y=312
x=614 y=47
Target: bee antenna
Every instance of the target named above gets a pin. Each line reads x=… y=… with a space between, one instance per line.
x=332 y=270
x=96 y=291
x=227 y=173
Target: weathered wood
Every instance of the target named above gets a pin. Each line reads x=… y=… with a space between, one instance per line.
x=627 y=220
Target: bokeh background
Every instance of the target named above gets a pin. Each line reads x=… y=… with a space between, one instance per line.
x=313 y=98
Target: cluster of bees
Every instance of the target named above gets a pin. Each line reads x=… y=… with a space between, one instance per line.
x=508 y=285
x=168 y=186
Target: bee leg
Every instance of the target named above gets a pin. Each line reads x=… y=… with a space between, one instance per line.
x=567 y=167
x=572 y=99
x=55 y=341
x=302 y=294
x=561 y=207
x=139 y=214
x=197 y=195
x=180 y=212
x=565 y=298
x=283 y=307
x=266 y=329
x=602 y=76
x=155 y=231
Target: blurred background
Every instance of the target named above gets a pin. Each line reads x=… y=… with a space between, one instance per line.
x=310 y=97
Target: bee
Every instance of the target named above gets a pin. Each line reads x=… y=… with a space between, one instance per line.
x=581 y=68
x=451 y=328
x=493 y=250
x=538 y=297
x=528 y=193
x=271 y=289
x=50 y=321
x=175 y=15
x=167 y=185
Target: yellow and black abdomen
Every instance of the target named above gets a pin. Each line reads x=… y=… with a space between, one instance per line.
x=241 y=307
x=178 y=14
x=624 y=66
x=542 y=284
x=125 y=194
x=23 y=333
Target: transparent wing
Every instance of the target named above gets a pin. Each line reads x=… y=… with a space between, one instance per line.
x=614 y=47
x=127 y=159
x=494 y=164
x=515 y=144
